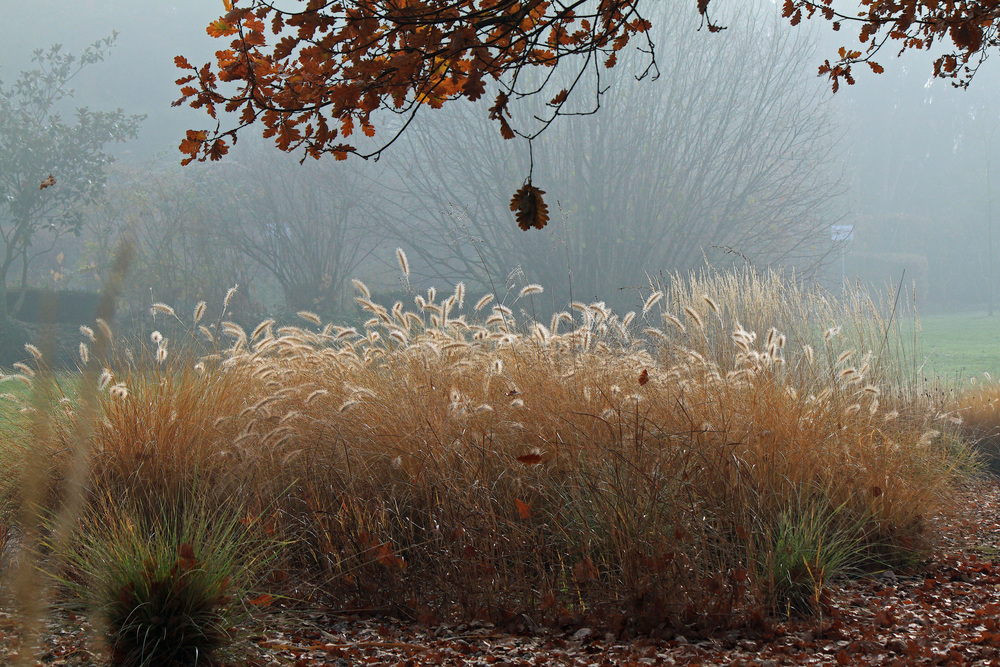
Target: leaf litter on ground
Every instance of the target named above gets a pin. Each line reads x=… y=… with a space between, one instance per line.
x=944 y=612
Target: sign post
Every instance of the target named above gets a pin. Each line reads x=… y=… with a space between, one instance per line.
x=842 y=234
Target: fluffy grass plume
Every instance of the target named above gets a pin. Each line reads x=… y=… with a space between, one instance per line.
x=404 y=263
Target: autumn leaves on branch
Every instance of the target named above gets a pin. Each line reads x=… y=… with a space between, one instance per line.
x=329 y=66
x=971 y=27
x=314 y=76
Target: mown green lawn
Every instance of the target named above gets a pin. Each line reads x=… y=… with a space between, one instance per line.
x=960 y=346
x=66 y=381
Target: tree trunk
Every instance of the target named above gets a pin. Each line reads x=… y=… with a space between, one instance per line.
x=12 y=337
x=16 y=310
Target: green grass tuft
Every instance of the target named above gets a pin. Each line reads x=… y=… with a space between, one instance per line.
x=166 y=587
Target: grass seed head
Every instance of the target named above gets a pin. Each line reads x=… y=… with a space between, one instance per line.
x=483 y=302
x=261 y=328
x=404 y=264
x=670 y=319
x=528 y=290
x=361 y=287
x=346 y=332
x=309 y=316
x=162 y=308
x=27 y=370
x=651 y=301
x=230 y=293
x=712 y=304
x=315 y=394
x=104 y=328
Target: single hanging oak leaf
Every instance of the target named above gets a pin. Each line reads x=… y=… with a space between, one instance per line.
x=529 y=207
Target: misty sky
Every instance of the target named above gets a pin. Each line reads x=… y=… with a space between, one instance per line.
x=910 y=146
x=900 y=106
x=139 y=73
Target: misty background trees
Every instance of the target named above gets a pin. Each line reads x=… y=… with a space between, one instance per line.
x=288 y=237
x=50 y=167
x=917 y=166
x=730 y=157
x=736 y=154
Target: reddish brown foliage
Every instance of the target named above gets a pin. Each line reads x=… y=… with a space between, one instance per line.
x=913 y=24
x=529 y=207
x=316 y=73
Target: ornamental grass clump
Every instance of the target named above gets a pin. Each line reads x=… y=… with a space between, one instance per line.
x=165 y=585
x=595 y=463
x=686 y=464
x=795 y=556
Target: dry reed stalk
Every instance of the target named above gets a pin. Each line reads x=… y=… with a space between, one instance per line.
x=33 y=488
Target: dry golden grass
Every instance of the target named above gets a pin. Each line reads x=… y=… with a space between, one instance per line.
x=687 y=464
x=878 y=328
x=975 y=410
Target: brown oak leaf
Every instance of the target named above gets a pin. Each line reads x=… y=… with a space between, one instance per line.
x=529 y=207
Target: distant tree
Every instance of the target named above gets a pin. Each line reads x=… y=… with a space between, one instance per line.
x=180 y=222
x=313 y=72
x=730 y=158
x=928 y=197
x=258 y=220
x=308 y=226
x=49 y=167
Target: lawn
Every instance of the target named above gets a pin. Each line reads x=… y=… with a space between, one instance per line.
x=960 y=346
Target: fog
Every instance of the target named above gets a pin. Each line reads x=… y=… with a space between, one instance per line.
x=736 y=154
